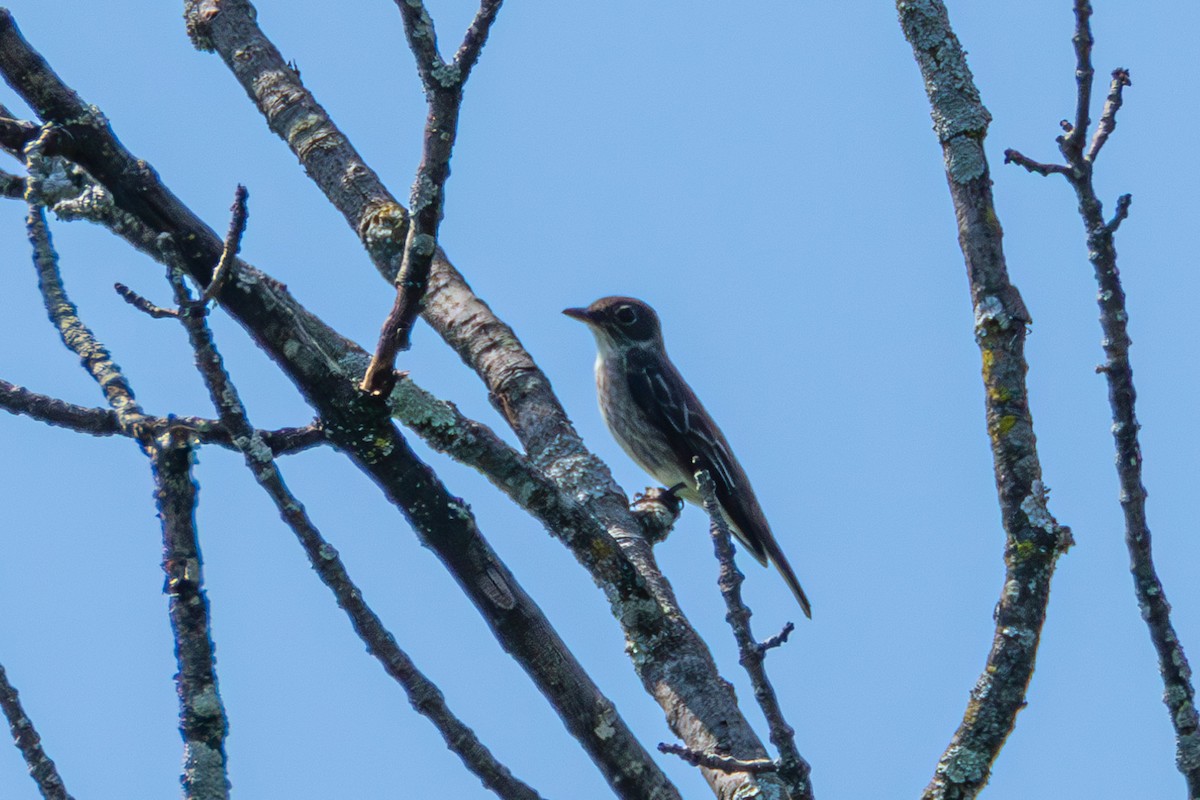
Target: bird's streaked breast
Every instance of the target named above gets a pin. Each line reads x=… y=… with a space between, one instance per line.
x=637 y=437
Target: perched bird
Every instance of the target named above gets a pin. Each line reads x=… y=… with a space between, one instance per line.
x=658 y=420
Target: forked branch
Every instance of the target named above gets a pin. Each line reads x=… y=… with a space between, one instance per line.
x=443 y=84
x=1179 y=692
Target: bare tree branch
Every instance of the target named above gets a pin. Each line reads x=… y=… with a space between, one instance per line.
x=792 y=767
x=103 y=422
x=75 y=335
x=25 y=737
x=475 y=37
x=142 y=304
x=328 y=368
x=444 y=93
x=202 y=718
x=1071 y=145
x=1108 y=118
x=673 y=663
x=1015 y=157
x=1179 y=693
x=233 y=243
x=1121 y=214
x=422 y=693
x=1034 y=539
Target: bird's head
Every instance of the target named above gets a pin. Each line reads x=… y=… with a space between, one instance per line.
x=620 y=322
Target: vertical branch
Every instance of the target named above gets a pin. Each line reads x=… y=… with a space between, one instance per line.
x=792 y=767
x=1072 y=143
x=202 y=718
x=1033 y=539
x=1179 y=692
x=25 y=737
x=443 y=84
x=201 y=714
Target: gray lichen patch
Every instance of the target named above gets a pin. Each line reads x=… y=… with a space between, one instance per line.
x=990 y=309
x=963 y=765
x=206 y=703
x=965 y=160
x=420 y=410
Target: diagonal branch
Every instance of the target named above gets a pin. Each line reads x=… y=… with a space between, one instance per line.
x=233 y=243
x=424 y=696
x=476 y=37
x=444 y=94
x=1033 y=539
x=75 y=335
x=674 y=664
x=328 y=368
x=25 y=737
x=1179 y=692
x=1108 y=117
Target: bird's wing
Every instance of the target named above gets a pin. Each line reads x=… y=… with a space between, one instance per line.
x=673 y=408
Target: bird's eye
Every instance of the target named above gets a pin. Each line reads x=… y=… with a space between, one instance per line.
x=626 y=315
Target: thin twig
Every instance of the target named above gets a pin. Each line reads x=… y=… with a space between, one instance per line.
x=1014 y=157
x=1071 y=144
x=142 y=304
x=791 y=766
x=75 y=335
x=233 y=244
x=778 y=639
x=1122 y=212
x=444 y=93
x=424 y=696
x=202 y=719
x=103 y=422
x=1108 y=118
x=25 y=737
x=1033 y=538
x=476 y=37
x=1179 y=692
x=722 y=763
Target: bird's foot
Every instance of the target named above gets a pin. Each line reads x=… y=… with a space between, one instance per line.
x=657 y=509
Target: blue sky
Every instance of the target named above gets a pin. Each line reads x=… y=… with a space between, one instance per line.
x=767 y=178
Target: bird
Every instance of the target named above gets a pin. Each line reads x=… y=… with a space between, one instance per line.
x=659 y=422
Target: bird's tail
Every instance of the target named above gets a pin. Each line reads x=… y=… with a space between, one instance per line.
x=789 y=576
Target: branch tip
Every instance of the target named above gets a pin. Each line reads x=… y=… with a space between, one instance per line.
x=1121 y=213
x=142 y=304
x=233 y=243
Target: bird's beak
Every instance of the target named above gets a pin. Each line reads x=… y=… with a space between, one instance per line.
x=580 y=314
